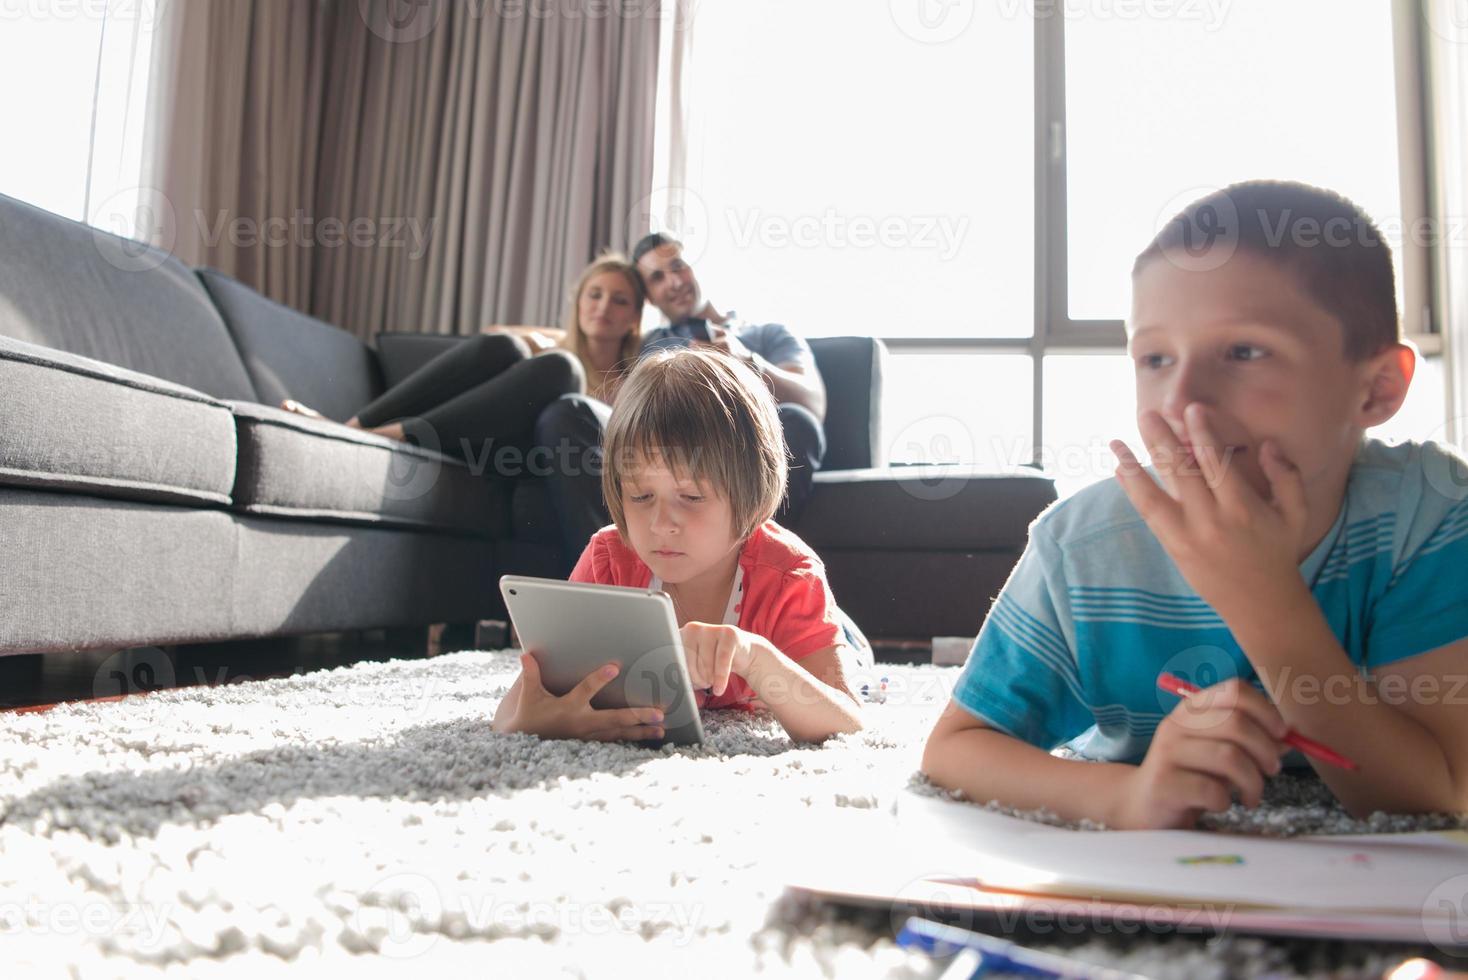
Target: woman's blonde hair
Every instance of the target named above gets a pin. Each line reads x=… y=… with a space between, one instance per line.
x=575 y=341
x=706 y=416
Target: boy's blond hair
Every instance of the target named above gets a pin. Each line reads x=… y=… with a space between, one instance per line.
x=706 y=416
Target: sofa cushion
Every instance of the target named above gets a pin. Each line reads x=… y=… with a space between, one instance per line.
x=938 y=508
x=74 y=288
x=291 y=466
x=71 y=423
x=291 y=355
x=85 y=572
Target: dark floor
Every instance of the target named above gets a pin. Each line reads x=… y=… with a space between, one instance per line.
x=38 y=681
x=29 y=680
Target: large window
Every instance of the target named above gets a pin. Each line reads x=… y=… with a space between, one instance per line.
x=75 y=74
x=970 y=182
x=1160 y=110
x=852 y=173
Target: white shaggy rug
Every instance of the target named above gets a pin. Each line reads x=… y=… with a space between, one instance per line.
x=366 y=817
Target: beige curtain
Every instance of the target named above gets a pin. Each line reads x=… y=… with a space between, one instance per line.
x=231 y=145
x=385 y=164
x=1446 y=40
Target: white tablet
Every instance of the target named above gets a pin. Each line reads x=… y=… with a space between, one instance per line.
x=575 y=628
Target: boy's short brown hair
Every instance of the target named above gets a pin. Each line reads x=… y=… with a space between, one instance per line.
x=705 y=415
x=1331 y=247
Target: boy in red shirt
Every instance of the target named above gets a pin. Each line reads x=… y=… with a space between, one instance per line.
x=694 y=469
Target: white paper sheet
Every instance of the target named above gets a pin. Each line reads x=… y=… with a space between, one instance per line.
x=1422 y=874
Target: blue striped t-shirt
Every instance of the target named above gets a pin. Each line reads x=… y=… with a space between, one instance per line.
x=1096 y=609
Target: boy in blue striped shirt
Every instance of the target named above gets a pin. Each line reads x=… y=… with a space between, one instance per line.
x=1304 y=576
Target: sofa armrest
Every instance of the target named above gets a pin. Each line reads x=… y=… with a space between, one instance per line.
x=852 y=368
x=925 y=508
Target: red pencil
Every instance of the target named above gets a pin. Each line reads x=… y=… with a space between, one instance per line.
x=1173 y=684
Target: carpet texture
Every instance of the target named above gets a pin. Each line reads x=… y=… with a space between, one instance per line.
x=367 y=817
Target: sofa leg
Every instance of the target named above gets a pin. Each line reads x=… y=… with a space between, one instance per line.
x=451 y=638
x=492 y=634
x=408 y=641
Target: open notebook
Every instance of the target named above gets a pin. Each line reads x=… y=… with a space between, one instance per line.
x=1408 y=887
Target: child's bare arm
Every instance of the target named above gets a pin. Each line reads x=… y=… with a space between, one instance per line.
x=1405 y=727
x=1433 y=689
x=1209 y=749
x=810 y=698
x=986 y=764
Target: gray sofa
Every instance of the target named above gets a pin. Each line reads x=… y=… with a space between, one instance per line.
x=150 y=494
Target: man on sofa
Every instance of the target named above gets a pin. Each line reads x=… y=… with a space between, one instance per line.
x=771 y=350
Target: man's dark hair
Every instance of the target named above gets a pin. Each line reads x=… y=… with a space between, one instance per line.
x=1331 y=247
x=649 y=242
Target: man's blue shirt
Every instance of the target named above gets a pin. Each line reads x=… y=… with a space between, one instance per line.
x=775 y=342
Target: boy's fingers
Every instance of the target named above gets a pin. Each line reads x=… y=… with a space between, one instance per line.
x=1209 y=454
x=1285 y=483
x=1229 y=726
x=1241 y=696
x=1154 y=504
x=594 y=682
x=1177 y=465
x=1198 y=791
x=1223 y=760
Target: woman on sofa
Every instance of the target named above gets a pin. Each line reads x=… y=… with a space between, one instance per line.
x=494 y=385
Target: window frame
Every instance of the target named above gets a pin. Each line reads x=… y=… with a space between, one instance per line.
x=1056 y=332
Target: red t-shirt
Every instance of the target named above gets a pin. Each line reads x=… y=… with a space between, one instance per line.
x=786 y=599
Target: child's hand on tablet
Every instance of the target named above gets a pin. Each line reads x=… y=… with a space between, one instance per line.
x=715 y=652
x=530 y=708
x=1223 y=741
